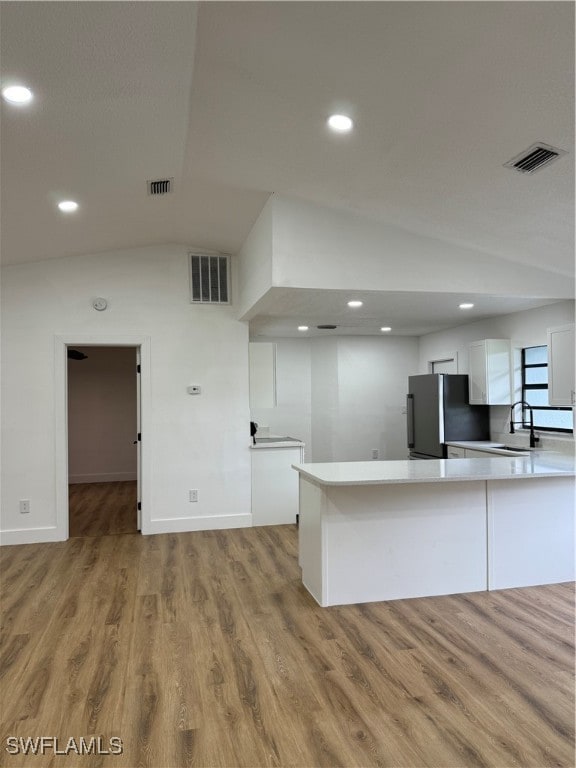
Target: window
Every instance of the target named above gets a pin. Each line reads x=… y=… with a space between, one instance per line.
x=535 y=392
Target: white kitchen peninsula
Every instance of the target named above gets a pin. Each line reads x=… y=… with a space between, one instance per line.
x=384 y=530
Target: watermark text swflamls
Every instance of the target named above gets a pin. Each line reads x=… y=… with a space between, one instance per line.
x=43 y=745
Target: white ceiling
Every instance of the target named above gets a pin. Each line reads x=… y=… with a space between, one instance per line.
x=282 y=310
x=231 y=100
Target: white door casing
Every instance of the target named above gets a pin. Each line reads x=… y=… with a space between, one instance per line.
x=142 y=344
x=138 y=441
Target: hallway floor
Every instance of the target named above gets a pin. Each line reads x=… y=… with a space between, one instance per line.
x=102 y=509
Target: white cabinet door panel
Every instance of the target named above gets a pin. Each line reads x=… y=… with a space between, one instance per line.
x=530 y=532
x=477 y=373
x=561 y=365
x=489 y=372
x=275 y=485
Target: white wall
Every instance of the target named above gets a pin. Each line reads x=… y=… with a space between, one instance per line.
x=372 y=385
x=320 y=247
x=295 y=243
x=199 y=442
x=343 y=396
x=255 y=260
x=524 y=329
x=324 y=394
x=102 y=425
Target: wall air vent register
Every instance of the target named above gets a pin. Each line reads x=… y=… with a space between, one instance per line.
x=209 y=278
x=160 y=186
x=535 y=157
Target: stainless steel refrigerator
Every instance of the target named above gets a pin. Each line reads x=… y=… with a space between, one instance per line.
x=438 y=412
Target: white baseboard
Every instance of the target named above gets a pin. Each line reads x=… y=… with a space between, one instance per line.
x=204 y=523
x=103 y=477
x=30 y=536
x=170 y=525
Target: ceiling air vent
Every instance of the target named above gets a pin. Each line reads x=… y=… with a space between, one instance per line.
x=160 y=186
x=326 y=327
x=209 y=279
x=535 y=157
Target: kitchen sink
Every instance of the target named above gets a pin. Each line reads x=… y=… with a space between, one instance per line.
x=513 y=448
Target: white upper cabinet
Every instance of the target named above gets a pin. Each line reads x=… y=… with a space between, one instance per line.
x=561 y=385
x=489 y=372
x=262 y=375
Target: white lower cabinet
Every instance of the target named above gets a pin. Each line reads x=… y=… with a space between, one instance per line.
x=275 y=485
x=455 y=453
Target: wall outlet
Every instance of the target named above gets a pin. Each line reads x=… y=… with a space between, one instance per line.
x=193 y=495
x=375 y=453
x=24 y=506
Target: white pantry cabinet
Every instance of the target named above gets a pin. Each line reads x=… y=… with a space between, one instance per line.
x=561 y=386
x=489 y=372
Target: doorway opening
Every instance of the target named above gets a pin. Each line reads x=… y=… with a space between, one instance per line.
x=445 y=365
x=103 y=416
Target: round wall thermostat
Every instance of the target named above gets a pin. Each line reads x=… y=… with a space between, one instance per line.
x=100 y=304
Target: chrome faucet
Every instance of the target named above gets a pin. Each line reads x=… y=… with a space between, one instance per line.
x=524 y=404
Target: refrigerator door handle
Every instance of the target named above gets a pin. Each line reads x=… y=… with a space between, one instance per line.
x=410 y=419
x=441 y=413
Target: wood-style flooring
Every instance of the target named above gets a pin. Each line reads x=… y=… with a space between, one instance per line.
x=204 y=649
x=101 y=509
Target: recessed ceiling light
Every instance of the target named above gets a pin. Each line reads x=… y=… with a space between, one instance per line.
x=465 y=306
x=302 y=327
x=355 y=303
x=17 y=94
x=68 y=206
x=386 y=328
x=340 y=123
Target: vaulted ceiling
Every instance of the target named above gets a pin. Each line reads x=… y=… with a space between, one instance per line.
x=231 y=98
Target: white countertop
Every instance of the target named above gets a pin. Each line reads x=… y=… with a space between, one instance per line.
x=536 y=464
x=277 y=442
